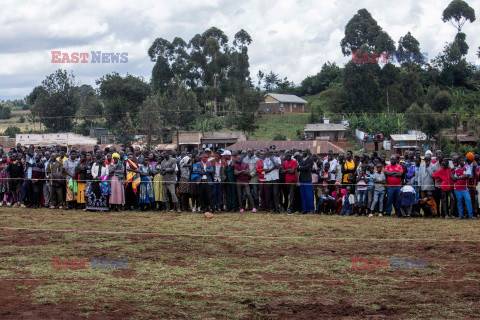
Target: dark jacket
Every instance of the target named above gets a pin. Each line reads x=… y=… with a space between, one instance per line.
x=305 y=169
x=209 y=170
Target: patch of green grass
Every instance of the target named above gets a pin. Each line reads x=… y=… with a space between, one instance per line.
x=271 y=124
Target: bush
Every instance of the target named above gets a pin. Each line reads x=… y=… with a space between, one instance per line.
x=22 y=119
x=11 y=131
x=279 y=137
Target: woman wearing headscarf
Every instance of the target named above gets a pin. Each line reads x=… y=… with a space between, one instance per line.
x=116 y=170
x=83 y=173
x=184 y=186
x=155 y=168
x=133 y=180
x=96 y=199
x=146 y=195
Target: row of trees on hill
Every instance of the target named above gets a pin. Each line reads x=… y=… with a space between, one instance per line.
x=209 y=75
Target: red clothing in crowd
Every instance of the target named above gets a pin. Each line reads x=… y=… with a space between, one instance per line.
x=461 y=185
x=259 y=169
x=444 y=175
x=240 y=167
x=394 y=181
x=290 y=177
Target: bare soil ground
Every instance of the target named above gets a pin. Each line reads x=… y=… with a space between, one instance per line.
x=235 y=266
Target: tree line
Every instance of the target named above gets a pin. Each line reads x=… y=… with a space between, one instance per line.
x=194 y=82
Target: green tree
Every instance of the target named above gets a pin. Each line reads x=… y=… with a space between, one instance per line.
x=179 y=101
x=458 y=12
x=387 y=77
x=150 y=121
x=442 y=101
x=56 y=103
x=90 y=106
x=361 y=85
x=121 y=95
x=11 y=131
x=409 y=49
x=362 y=30
x=126 y=130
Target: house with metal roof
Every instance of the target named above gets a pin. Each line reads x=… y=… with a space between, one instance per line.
x=283 y=103
x=325 y=131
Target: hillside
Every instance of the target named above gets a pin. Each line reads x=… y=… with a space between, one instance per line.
x=287 y=124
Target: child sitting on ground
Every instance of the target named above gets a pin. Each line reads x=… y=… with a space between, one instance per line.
x=429 y=205
x=406 y=200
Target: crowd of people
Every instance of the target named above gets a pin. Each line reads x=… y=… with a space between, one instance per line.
x=292 y=182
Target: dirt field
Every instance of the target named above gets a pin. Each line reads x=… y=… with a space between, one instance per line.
x=235 y=266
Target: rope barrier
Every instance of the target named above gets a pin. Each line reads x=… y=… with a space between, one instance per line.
x=244 y=281
x=236 y=236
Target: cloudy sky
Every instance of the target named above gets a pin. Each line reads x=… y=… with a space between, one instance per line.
x=292 y=38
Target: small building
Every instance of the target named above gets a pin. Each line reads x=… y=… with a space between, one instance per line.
x=193 y=141
x=97 y=132
x=325 y=131
x=465 y=139
x=315 y=146
x=49 y=139
x=407 y=142
x=283 y=103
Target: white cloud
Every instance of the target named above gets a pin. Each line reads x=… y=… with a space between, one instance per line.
x=292 y=38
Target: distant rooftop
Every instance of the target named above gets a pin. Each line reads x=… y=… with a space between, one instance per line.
x=289 y=98
x=325 y=127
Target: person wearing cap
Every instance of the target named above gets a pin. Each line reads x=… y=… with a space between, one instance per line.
x=217 y=188
x=204 y=181
x=228 y=176
x=252 y=159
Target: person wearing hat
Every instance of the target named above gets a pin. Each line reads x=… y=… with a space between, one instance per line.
x=228 y=176
x=116 y=171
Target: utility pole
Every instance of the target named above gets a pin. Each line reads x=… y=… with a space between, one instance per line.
x=215 y=86
x=455 y=126
x=178 y=128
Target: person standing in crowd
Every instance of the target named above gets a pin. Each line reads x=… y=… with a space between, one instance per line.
x=4 y=180
x=69 y=167
x=470 y=161
x=54 y=171
x=289 y=167
x=349 y=170
x=305 y=179
x=194 y=193
x=146 y=196
x=271 y=166
x=460 y=176
x=155 y=168
x=393 y=172
x=263 y=186
x=46 y=184
x=425 y=178
x=169 y=166
x=444 y=176
x=204 y=181
x=184 y=184
x=116 y=170
x=15 y=171
x=362 y=189
x=217 y=188
x=133 y=180
x=252 y=160
x=241 y=172
x=379 y=190
x=38 y=176
x=229 y=178
x=83 y=173
x=95 y=198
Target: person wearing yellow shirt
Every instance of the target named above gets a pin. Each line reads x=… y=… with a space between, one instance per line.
x=349 y=170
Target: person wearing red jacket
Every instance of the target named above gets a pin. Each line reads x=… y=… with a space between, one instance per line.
x=446 y=186
x=265 y=204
